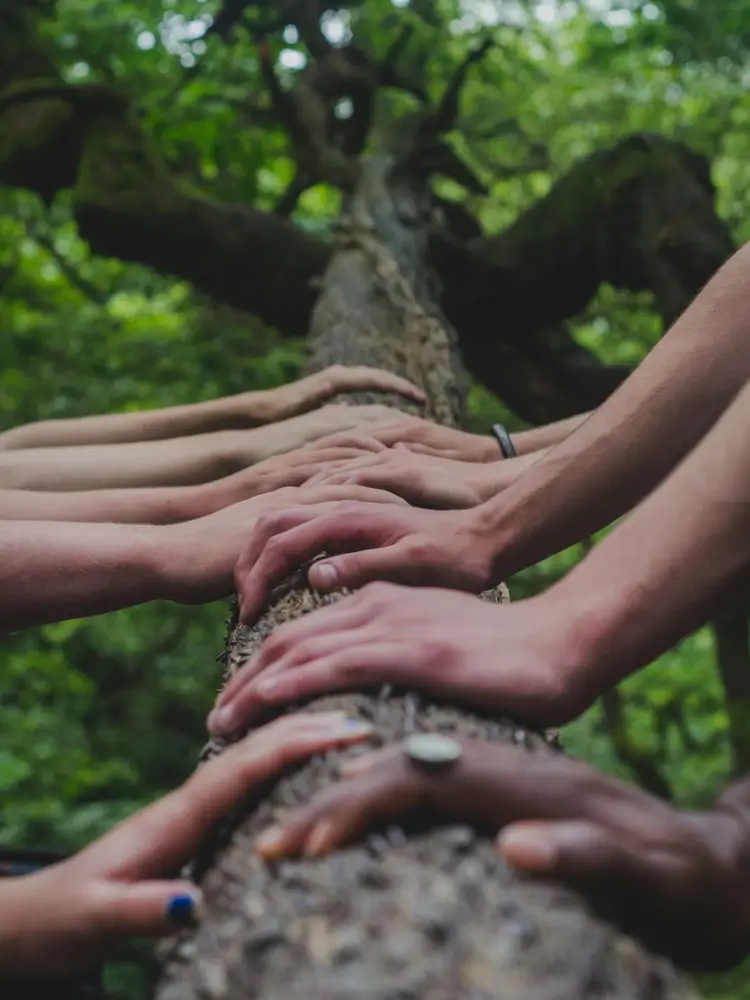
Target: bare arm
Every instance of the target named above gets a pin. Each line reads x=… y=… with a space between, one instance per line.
x=157 y=505
x=50 y=571
x=637 y=436
x=538 y=438
x=428 y=480
x=53 y=571
x=177 y=462
x=239 y=412
x=659 y=574
x=230 y=412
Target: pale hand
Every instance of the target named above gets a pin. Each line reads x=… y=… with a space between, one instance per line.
x=422 y=480
x=273 y=439
x=404 y=545
x=60 y=921
x=307 y=393
x=505 y=658
x=292 y=468
x=199 y=557
x=418 y=434
x=680 y=877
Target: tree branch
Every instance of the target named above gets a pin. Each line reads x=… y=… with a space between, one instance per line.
x=639 y=216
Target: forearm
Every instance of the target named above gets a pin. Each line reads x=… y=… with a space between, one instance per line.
x=660 y=573
x=156 y=505
x=54 y=571
x=628 y=445
x=492 y=478
x=179 y=462
x=538 y=438
x=232 y=412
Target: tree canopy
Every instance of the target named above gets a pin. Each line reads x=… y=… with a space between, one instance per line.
x=154 y=249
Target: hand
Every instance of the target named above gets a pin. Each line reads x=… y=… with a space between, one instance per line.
x=196 y=559
x=293 y=468
x=58 y=922
x=438 y=641
x=424 y=481
x=418 y=434
x=439 y=548
x=307 y=393
x=679 y=872
x=250 y=447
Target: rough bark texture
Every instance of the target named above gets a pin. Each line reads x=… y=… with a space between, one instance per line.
x=413 y=913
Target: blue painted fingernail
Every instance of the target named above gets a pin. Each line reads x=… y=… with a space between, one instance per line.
x=181 y=911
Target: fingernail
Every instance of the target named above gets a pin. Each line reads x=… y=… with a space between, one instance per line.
x=270 y=842
x=221 y=720
x=351 y=727
x=329 y=718
x=325 y=574
x=528 y=848
x=318 y=839
x=266 y=686
x=182 y=911
x=350 y=768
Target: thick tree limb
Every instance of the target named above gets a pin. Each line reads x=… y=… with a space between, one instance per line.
x=417 y=911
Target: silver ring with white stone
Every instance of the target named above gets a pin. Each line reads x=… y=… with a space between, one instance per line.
x=432 y=750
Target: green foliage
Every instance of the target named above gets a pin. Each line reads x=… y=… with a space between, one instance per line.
x=101 y=716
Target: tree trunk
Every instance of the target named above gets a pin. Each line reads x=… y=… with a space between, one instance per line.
x=429 y=914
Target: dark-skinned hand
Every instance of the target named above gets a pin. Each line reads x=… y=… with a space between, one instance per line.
x=681 y=874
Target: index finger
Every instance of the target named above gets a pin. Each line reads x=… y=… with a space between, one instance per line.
x=279 y=546
x=489 y=786
x=166 y=834
x=362 y=377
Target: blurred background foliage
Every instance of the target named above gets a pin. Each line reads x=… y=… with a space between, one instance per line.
x=100 y=716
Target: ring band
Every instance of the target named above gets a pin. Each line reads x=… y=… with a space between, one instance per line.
x=502 y=437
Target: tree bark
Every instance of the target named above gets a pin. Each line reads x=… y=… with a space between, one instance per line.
x=429 y=914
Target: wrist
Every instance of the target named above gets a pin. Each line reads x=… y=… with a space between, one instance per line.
x=605 y=632
x=254 y=408
x=491 y=478
x=191 y=564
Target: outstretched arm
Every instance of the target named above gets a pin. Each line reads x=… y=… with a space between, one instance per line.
x=239 y=412
x=176 y=462
x=617 y=456
x=172 y=504
x=654 y=579
x=638 y=435
x=537 y=438
x=50 y=571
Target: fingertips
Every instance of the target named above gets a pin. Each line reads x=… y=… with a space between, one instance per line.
x=358 y=765
x=148 y=909
x=528 y=846
x=571 y=849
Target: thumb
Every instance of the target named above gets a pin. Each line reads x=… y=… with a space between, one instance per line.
x=573 y=850
x=357 y=568
x=148 y=909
